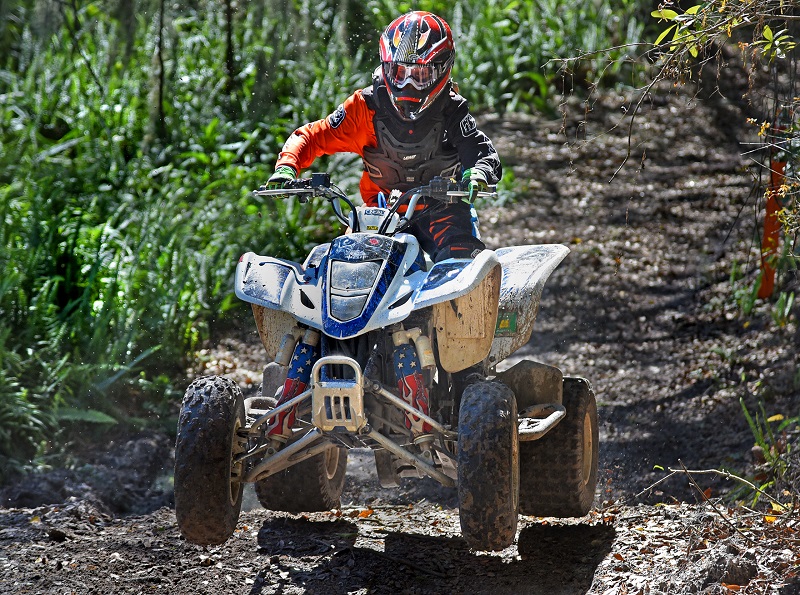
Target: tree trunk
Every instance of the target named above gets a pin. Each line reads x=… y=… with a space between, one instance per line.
x=125 y=13
x=46 y=20
x=230 y=66
x=156 y=129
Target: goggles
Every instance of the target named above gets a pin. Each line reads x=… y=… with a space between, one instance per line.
x=419 y=76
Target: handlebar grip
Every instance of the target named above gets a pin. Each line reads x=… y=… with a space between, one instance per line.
x=282 y=191
x=492 y=193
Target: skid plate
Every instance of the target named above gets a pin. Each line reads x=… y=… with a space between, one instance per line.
x=337 y=404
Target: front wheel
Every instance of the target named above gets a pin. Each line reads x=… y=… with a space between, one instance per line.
x=559 y=471
x=312 y=485
x=488 y=465
x=208 y=487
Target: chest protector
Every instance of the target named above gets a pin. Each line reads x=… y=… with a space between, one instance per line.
x=408 y=154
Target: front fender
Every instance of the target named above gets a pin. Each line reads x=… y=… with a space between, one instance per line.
x=279 y=285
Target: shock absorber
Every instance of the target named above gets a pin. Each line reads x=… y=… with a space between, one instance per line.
x=304 y=355
x=409 y=361
x=288 y=343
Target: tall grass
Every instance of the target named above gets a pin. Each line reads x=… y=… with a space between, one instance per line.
x=121 y=219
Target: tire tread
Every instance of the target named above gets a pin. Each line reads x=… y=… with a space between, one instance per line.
x=210 y=408
x=551 y=468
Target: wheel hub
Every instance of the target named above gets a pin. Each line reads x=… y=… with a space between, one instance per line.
x=331 y=462
x=588 y=448
x=238 y=446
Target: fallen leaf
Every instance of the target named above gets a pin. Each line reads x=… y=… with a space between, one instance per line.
x=619 y=556
x=365 y=513
x=732 y=587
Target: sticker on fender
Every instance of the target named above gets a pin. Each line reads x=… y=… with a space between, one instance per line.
x=506 y=323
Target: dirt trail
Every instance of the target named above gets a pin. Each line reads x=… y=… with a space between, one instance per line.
x=641 y=308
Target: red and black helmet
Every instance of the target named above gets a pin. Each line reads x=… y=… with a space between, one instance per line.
x=417 y=54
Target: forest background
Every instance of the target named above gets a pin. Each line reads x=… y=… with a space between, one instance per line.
x=131 y=134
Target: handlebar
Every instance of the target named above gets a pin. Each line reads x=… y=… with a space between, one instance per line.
x=443 y=190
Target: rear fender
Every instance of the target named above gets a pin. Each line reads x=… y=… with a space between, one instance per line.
x=525 y=271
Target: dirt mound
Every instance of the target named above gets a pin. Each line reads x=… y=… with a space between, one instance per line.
x=128 y=476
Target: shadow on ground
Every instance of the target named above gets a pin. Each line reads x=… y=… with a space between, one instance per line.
x=552 y=559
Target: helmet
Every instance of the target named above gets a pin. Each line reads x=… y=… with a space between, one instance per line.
x=417 y=54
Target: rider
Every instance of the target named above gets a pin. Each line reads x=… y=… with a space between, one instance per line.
x=408 y=126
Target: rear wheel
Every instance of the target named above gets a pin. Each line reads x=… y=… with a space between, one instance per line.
x=313 y=485
x=558 y=472
x=488 y=465
x=208 y=487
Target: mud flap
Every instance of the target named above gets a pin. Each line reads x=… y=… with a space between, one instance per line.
x=465 y=325
x=272 y=325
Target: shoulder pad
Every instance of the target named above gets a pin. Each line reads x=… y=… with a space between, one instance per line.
x=368 y=94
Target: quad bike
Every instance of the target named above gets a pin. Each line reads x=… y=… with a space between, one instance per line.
x=374 y=346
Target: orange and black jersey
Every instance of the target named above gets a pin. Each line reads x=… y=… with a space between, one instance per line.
x=397 y=154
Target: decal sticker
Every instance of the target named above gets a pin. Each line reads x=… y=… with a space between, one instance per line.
x=393 y=253
x=506 y=323
x=468 y=125
x=337 y=117
x=441 y=273
x=424 y=36
x=356 y=247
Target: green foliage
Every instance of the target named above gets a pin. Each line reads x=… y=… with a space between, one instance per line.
x=513 y=53
x=782 y=310
x=772 y=443
x=775 y=45
x=129 y=144
x=744 y=292
x=694 y=29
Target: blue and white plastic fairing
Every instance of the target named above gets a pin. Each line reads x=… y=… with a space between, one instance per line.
x=358 y=283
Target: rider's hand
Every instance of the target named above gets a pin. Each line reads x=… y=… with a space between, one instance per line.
x=282 y=176
x=474 y=180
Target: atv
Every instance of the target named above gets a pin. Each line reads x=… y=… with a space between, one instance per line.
x=371 y=345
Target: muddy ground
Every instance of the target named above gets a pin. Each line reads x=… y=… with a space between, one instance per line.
x=643 y=307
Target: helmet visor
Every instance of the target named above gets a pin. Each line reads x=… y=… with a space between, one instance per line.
x=420 y=76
